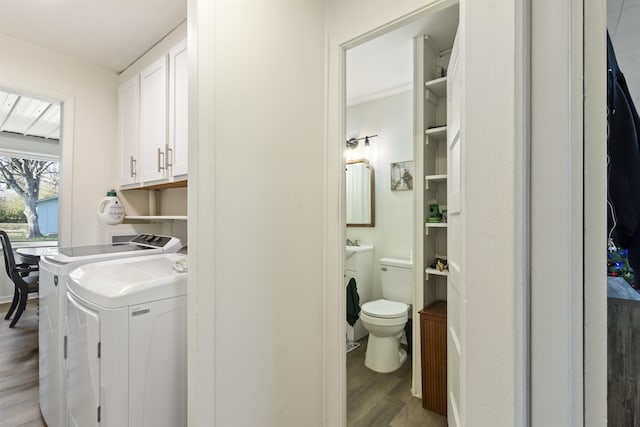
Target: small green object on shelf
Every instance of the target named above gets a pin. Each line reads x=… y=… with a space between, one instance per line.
x=434 y=213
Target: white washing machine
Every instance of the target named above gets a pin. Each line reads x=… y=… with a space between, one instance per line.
x=126 y=343
x=55 y=266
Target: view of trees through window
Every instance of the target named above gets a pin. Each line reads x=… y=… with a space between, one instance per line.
x=29 y=199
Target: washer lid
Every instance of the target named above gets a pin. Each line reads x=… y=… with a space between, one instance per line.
x=128 y=281
x=385 y=309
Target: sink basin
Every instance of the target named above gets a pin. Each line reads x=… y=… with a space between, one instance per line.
x=353 y=249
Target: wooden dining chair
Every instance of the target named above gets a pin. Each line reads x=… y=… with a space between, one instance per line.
x=20 y=275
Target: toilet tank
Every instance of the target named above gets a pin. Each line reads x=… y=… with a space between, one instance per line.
x=396 y=278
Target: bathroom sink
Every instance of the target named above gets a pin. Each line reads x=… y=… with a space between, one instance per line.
x=353 y=249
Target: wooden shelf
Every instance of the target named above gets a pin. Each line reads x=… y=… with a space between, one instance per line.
x=164 y=186
x=434 y=178
x=439 y=133
x=434 y=272
x=437 y=86
x=428 y=225
x=436 y=224
x=437 y=177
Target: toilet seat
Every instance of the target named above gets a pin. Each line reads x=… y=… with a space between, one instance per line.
x=385 y=309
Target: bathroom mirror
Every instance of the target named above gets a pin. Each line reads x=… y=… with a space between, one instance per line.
x=360 y=194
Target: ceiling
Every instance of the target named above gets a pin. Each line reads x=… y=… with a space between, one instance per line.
x=108 y=33
x=114 y=33
x=384 y=65
x=111 y=34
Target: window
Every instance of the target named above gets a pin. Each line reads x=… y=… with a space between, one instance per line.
x=29 y=199
x=29 y=167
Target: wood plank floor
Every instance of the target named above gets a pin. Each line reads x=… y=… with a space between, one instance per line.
x=383 y=400
x=19 y=369
x=373 y=399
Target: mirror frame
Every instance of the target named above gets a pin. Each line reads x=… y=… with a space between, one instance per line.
x=372 y=223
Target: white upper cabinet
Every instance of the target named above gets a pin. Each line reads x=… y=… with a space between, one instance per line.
x=177 y=151
x=129 y=129
x=153 y=120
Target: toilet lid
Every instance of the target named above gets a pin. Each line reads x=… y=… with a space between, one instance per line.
x=385 y=308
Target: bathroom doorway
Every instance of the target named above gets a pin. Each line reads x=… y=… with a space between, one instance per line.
x=380 y=131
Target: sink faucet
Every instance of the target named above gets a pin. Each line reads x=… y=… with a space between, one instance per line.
x=353 y=243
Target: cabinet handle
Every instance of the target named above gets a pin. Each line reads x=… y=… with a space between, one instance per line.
x=132 y=166
x=169 y=157
x=160 y=163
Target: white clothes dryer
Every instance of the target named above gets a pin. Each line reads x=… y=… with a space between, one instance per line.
x=127 y=343
x=55 y=266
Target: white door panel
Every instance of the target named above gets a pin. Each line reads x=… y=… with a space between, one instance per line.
x=455 y=285
x=83 y=364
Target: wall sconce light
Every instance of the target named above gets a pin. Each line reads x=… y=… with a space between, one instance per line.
x=357 y=151
x=352 y=143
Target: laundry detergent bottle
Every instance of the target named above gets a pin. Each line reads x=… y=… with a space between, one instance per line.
x=110 y=210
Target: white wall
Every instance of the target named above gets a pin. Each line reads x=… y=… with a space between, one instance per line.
x=91 y=93
x=391 y=118
x=258 y=359
x=89 y=139
x=256 y=278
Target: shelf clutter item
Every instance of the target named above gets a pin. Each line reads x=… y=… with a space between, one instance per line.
x=434 y=213
x=440 y=264
x=352 y=345
x=110 y=210
x=433 y=335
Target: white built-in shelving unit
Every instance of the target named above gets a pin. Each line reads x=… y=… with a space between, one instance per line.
x=435 y=173
x=430 y=154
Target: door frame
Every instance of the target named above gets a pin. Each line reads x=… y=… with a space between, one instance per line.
x=349 y=24
x=595 y=216
x=568 y=163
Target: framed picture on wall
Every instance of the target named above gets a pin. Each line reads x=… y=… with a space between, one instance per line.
x=402 y=176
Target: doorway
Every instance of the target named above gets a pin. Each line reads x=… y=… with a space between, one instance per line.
x=385 y=109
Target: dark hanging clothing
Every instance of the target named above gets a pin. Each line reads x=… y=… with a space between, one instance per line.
x=353 y=302
x=623 y=162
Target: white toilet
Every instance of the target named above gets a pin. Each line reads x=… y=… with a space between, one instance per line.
x=386 y=318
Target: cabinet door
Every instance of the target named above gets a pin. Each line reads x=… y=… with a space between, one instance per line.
x=153 y=121
x=83 y=365
x=177 y=152
x=158 y=363
x=129 y=129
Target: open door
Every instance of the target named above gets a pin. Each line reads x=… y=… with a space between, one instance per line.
x=455 y=286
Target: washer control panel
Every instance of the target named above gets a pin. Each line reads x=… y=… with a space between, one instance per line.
x=167 y=243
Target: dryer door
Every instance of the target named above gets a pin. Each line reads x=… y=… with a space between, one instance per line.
x=158 y=363
x=83 y=364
